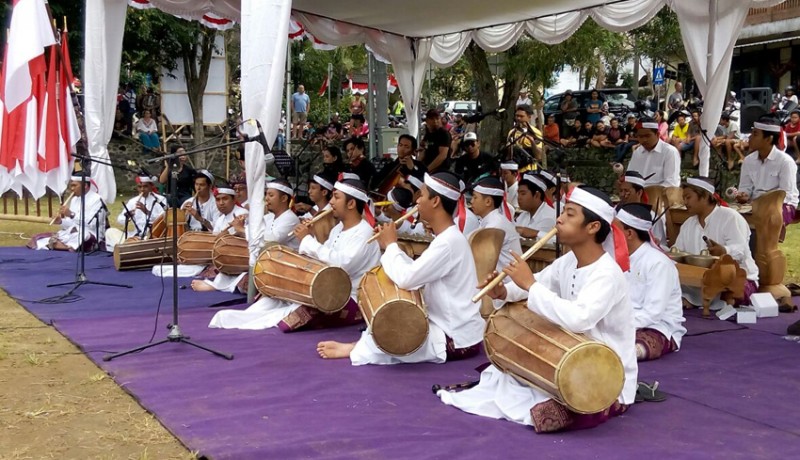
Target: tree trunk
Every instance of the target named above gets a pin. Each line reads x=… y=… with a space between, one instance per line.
x=487 y=95
x=196 y=62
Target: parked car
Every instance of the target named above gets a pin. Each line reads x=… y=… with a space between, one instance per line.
x=620 y=102
x=458 y=107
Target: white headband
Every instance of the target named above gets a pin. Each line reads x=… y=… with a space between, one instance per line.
x=351 y=176
x=444 y=189
x=547 y=175
x=509 y=166
x=702 y=184
x=80 y=178
x=323 y=182
x=767 y=127
x=359 y=195
x=280 y=187
x=414 y=181
x=488 y=190
x=208 y=174
x=632 y=221
x=650 y=125
x=634 y=180
x=144 y=179
x=395 y=204
x=593 y=203
x=225 y=191
x=535 y=181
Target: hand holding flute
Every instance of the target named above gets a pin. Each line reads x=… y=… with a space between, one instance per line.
x=397 y=222
x=63 y=209
x=518 y=269
x=320 y=215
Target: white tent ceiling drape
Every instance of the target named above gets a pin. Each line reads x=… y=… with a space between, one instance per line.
x=411 y=35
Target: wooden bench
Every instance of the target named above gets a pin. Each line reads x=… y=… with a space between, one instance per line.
x=26 y=209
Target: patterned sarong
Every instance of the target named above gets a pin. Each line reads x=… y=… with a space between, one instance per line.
x=652 y=344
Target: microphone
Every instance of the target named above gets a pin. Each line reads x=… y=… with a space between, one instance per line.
x=260 y=137
x=478 y=117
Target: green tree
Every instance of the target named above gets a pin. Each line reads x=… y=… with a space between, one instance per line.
x=155 y=40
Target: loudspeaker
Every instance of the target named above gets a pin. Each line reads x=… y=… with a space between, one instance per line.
x=756 y=102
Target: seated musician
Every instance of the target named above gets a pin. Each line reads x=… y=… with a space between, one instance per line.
x=488 y=203
x=359 y=163
x=631 y=190
x=655 y=159
x=201 y=209
x=583 y=291
x=320 y=189
x=143 y=209
x=346 y=247
x=717 y=228
x=464 y=218
x=403 y=165
x=537 y=217
x=767 y=168
x=508 y=173
x=654 y=287
x=70 y=219
x=401 y=201
x=278 y=223
x=240 y=187
x=446 y=272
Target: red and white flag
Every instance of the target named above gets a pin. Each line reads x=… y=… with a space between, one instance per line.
x=324 y=86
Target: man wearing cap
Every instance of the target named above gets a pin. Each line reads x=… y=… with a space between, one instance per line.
x=70 y=219
x=436 y=143
x=201 y=209
x=717 y=228
x=537 y=216
x=143 y=209
x=657 y=161
x=490 y=205
x=584 y=291
x=767 y=168
x=474 y=163
x=346 y=247
x=446 y=274
x=279 y=221
x=631 y=190
x=508 y=173
x=654 y=286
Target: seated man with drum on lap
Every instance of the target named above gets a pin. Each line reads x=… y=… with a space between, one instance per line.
x=346 y=247
x=583 y=291
x=446 y=271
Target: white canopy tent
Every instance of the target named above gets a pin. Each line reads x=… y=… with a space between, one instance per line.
x=411 y=36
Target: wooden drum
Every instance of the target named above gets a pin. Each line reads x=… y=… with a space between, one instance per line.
x=230 y=254
x=133 y=255
x=162 y=226
x=584 y=375
x=396 y=317
x=195 y=248
x=414 y=245
x=284 y=274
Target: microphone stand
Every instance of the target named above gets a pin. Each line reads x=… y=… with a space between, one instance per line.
x=175 y=334
x=80 y=271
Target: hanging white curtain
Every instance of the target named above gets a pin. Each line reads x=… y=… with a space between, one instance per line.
x=105 y=26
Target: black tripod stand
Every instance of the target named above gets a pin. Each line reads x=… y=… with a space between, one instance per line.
x=80 y=272
x=175 y=333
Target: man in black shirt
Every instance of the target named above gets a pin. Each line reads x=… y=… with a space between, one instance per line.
x=473 y=163
x=401 y=166
x=436 y=143
x=359 y=164
x=185 y=180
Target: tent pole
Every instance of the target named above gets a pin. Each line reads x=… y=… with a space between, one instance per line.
x=712 y=32
x=287 y=132
x=371 y=104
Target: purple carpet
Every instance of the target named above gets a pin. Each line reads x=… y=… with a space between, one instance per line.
x=728 y=387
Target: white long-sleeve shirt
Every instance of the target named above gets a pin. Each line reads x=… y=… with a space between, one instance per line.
x=70 y=226
x=223 y=221
x=155 y=204
x=543 y=220
x=654 y=288
x=207 y=210
x=592 y=300
x=512 y=192
x=347 y=249
x=446 y=270
x=511 y=240
x=471 y=222
x=728 y=228
x=662 y=164
x=277 y=229
x=777 y=172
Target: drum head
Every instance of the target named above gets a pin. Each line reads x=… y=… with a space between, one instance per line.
x=399 y=327
x=330 y=289
x=590 y=362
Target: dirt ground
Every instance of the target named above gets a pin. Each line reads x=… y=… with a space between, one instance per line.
x=55 y=402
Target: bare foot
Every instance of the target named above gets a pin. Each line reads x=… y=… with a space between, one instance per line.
x=201 y=286
x=334 y=350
